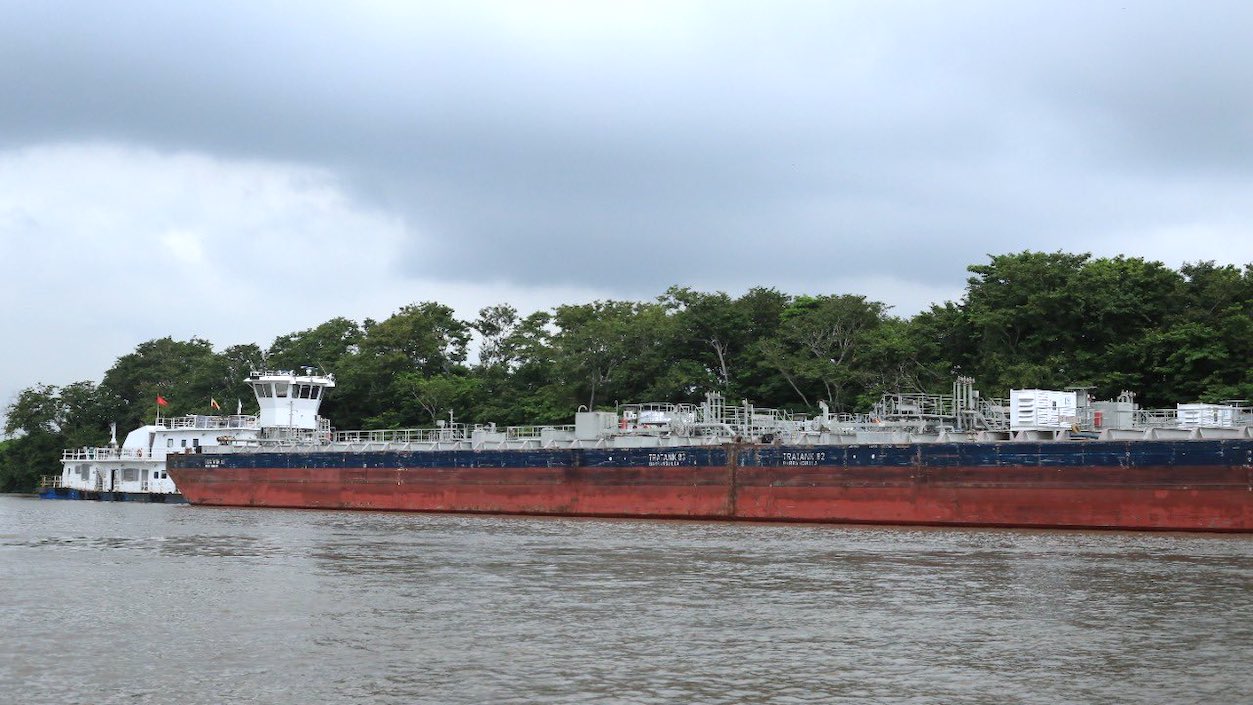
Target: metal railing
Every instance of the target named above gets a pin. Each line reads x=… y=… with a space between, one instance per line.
x=105 y=453
x=199 y=421
x=517 y=433
x=1155 y=418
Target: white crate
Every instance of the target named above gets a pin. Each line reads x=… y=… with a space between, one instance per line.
x=1042 y=409
x=1193 y=415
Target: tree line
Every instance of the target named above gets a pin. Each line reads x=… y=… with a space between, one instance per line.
x=1025 y=320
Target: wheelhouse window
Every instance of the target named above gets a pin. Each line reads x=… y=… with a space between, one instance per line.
x=263 y=389
x=280 y=389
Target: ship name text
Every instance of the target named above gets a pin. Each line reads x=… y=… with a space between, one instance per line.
x=803 y=457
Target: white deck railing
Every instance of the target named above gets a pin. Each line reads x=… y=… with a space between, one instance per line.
x=106 y=453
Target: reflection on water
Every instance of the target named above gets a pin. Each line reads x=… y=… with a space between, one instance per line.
x=112 y=603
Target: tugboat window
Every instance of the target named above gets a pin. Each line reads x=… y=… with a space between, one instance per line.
x=155 y=474
x=280 y=389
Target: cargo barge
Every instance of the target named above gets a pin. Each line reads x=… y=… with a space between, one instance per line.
x=1044 y=459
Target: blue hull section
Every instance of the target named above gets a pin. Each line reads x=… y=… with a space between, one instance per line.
x=1056 y=454
x=60 y=493
x=144 y=497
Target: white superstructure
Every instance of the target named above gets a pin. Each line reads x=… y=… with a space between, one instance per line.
x=290 y=401
x=137 y=466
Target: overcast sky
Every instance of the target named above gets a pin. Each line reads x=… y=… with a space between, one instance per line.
x=241 y=170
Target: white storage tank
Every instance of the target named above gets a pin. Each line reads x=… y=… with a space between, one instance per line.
x=1042 y=410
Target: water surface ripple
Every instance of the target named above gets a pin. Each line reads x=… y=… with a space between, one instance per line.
x=122 y=603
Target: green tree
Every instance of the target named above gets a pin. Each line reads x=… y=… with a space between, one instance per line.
x=230 y=368
x=712 y=330
x=945 y=346
x=425 y=400
x=754 y=374
x=423 y=338
x=496 y=326
x=184 y=373
x=491 y=385
x=532 y=393
x=1222 y=299
x=25 y=458
x=36 y=409
x=1053 y=320
x=823 y=345
x=85 y=414
x=1026 y=319
x=1119 y=302
x=322 y=346
x=45 y=419
x=1202 y=348
x=610 y=350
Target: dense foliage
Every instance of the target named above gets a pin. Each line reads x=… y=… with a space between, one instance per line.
x=1030 y=319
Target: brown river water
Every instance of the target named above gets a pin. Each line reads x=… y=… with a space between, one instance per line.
x=138 y=604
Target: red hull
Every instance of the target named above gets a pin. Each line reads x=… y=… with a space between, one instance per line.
x=1213 y=498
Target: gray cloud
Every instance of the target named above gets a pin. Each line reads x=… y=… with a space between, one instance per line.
x=621 y=148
